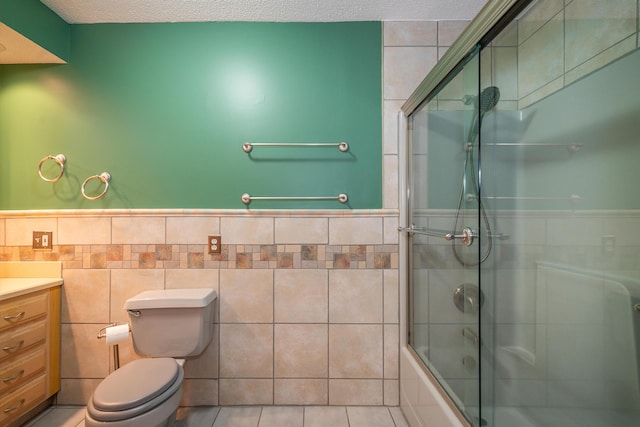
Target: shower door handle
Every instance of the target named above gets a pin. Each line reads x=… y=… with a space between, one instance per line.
x=466 y=237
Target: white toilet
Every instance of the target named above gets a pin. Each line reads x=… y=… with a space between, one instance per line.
x=166 y=326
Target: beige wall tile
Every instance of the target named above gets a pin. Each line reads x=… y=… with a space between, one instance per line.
x=206 y=365
x=301 y=230
x=301 y=296
x=199 y=392
x=246 y=296
x=76 y=391
x=547 y=43
x=616 y=20
x=390 y=230
x=604 y=58
x=192 y=278
x=391 y=110
x=390 y=190
x=2 y=232
x=84 y=231
x=356 y=231
x=247 y=231
x=355 y=392
x=392 y=393
x=448 y=31
x=82 y=354
x=191 y=230
x=246 y=351
x=138 y=230
x=85 y=296
x=391 y=348
x=19 y=232
x=508 y=36
x=301 y=392
x=404 y=68
x=301 y=351
x=355 y=351
x=246 y=392
x=127 y=283
x=391 y=296
x=410 y=33
x=355 y=296
x=504 y=72
x=536 y=17
x=543 y=92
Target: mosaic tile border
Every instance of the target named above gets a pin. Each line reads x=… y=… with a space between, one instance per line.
x=167 y=256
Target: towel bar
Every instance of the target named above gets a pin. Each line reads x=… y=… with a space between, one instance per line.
x=247 y=147
x=247 y=198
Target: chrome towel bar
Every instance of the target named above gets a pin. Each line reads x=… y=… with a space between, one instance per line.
x=572 y=198
x=247 y=147
x=247 y=198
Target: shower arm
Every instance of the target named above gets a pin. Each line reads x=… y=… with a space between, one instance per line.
x=466 y=237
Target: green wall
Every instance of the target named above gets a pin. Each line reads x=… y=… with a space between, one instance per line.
x=38 y=23
x=165 y=108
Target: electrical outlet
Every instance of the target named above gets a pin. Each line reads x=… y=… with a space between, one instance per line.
x=42 y=240
x=214 y=243
x=609 y=245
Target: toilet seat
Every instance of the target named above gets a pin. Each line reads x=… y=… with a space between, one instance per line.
x=135 y=389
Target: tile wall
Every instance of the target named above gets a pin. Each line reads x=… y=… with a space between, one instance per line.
x=572 y=44
x=307 y=310
x=308 y=300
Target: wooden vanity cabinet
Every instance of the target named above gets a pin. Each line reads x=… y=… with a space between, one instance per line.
x=29 y=352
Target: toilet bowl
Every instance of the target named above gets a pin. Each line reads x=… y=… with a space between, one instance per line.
x=169 y=324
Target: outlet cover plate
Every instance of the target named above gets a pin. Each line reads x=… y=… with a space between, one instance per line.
x=42 y=240
x=214 y=244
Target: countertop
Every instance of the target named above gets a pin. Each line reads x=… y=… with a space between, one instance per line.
x=16 y=286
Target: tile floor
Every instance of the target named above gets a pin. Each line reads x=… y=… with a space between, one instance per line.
x=252 y=416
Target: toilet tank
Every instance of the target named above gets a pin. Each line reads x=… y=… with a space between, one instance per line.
x=171 y=322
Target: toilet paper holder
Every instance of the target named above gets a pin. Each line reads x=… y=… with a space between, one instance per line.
x=102 y=333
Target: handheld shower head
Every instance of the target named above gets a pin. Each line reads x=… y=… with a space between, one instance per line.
x=485 y=102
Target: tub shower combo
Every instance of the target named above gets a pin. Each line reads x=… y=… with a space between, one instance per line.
x=519 y=224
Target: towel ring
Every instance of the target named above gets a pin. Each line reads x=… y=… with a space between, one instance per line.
x=105 y=177
x=60 y=160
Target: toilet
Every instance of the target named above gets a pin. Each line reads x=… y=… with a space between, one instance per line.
x=167 y=326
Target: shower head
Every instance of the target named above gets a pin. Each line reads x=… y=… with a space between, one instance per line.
x=485 y=102
x=489 y=97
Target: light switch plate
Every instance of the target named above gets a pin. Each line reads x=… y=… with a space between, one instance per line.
x=42 y=240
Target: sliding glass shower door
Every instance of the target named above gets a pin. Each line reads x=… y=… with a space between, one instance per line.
x=446 y=236
x=523 y=249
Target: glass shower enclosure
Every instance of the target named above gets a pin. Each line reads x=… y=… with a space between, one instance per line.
x=522 y=217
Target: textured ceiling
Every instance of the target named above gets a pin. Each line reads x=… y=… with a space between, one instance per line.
x=102 y=11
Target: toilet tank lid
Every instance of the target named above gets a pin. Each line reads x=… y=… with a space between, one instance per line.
x=171 y=298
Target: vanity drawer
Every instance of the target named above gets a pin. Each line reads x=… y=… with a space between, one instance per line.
x=22 y=399
x=15 y=372
x=16 y=340
x=23 y=309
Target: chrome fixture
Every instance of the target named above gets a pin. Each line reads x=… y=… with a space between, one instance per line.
x=105 y=177
x=247 y=147
x=60 y=159
x=468 y=298
x=466 y=237
x=247 y=198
